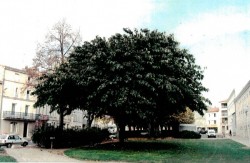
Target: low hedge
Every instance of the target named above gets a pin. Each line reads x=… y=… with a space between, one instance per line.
x=69 y=137
x=188 y=135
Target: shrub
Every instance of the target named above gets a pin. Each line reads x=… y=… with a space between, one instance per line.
x=188 y=135
x=68 y=138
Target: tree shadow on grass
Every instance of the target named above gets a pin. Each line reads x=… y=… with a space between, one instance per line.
x=137 y=146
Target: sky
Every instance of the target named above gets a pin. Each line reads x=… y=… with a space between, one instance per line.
x=216 y=32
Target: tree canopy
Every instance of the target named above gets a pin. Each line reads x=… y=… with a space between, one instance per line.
x=136 y=76
x=59 y=91
x=60 y=41
x=139 y=74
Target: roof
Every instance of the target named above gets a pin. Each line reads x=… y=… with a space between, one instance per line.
x=211 y=110
x=223 y=101
x=15 y=70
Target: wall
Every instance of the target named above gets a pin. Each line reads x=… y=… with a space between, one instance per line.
x=242 y=104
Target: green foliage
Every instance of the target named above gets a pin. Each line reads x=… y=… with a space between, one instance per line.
x=138 y=75
x=186 y=117
x=59 y=91
x=69 y=137
x=188 y=135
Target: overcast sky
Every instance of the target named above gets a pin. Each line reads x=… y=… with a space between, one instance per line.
x=216 y=32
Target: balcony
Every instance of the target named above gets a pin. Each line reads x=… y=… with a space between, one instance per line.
x=22 y=116
x=224 y=123
x=224 y=114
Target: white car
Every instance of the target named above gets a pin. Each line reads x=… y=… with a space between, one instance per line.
x=211 y=133
x=9 y=139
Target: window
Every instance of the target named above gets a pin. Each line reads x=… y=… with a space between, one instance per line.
x=214 y=121
x=16 y=137
x=13 y=127
x=28 y=94
x=13 y=108
x=16 y=92
x=214 y=114
x=224 y=105
x=26 y=110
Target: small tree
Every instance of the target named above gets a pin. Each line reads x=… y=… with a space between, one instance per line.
x=186 y=117
x=59 y=92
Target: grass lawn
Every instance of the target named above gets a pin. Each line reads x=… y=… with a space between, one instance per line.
x=4 y=157
x=173 y=150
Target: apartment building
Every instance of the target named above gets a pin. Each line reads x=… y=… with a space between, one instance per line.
x=213 y=119
x=223 y=118
x=242 y=108
x=17 y=114
x=77 y=119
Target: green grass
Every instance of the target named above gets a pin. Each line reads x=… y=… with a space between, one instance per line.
x=4 y=157
x=174 y=150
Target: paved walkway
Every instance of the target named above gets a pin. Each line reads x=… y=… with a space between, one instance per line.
x=241 y=140
x=33 y=154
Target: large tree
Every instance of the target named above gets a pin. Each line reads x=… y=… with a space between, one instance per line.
x=58 y=44
x=138 y=75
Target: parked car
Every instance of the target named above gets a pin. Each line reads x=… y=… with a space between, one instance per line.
x=211 y=133
x=9 y=139
x=203 y=131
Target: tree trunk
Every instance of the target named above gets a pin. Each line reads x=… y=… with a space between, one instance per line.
x=121 y=133
x=61 y=120
x=175 y=127
x=90 y=119
x=151 y=130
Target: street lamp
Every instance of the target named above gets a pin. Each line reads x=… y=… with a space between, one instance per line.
x=246 y=110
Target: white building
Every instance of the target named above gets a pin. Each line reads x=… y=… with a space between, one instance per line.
x=17 y=114
x=231 y=113
x=223 y=128
x=242 y=108
x=213 y=119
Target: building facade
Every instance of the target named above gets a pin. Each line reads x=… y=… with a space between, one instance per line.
x=213 y=119
x=17 y=114
x=231 y=114
x=223 y=118
x=200 y=121
x=242 y=108
x=77 y=119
